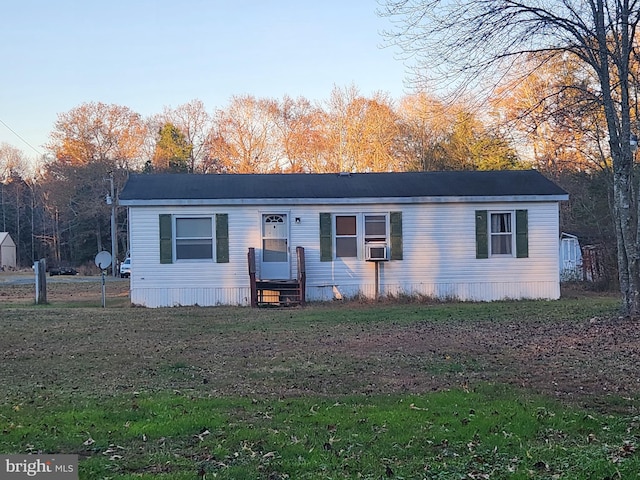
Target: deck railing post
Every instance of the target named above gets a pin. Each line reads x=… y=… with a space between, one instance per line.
x=302 y=275
x=251 y=258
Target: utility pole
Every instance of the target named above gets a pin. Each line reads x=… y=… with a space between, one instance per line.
x=111 y=200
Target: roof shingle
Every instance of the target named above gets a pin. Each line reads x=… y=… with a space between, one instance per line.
x=141 y=187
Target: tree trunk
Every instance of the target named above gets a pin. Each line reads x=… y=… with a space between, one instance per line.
x=627 y=241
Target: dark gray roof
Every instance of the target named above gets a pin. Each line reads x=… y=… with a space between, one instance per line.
x=158 y=187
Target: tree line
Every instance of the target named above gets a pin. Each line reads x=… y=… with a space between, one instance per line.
x=58 y=210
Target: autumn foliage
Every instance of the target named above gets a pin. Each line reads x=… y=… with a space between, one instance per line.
x=59 y=211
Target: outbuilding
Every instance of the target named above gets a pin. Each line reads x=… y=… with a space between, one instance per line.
x=8 y=252
x=465 y=235
x=570 y=258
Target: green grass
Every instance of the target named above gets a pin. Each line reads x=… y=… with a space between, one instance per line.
x=408 y=389
x=490 y=432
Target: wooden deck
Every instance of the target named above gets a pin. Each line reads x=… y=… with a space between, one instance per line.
x=277 y=292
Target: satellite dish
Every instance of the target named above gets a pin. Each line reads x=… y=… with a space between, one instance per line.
x=103 y=260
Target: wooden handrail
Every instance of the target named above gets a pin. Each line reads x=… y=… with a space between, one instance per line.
x=302 y=275
x=287 y=288
x=251 y=259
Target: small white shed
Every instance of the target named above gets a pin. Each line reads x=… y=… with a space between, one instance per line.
x=570 y=258
x=7 y=252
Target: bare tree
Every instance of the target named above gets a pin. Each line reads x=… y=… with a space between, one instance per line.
x=562 y=129
x=360 y=132
x=440 y=136
x=300 y=134
x=99 y=132
x=243 y=136
x=12 y=161
x=194 y=122
x=425 y=123
x=91 y=143
x=468 y=42
x=13 y=195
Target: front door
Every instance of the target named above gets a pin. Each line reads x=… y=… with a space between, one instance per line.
x=275 y=247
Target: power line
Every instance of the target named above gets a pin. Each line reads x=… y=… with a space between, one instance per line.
x=20 y=137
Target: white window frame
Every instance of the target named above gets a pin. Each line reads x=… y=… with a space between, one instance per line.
x=336 y=236
x=511 y=234
x=362 y=239
x=372 y=237
x=211 y=238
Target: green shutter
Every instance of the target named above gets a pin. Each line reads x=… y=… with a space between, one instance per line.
x=482 y=236
x=166 y=240
x=326 y=242
x=522 y=234
x=222 y=238
x=395 y=220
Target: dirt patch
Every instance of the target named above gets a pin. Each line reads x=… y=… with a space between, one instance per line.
x=242 y=351
x=19 y=288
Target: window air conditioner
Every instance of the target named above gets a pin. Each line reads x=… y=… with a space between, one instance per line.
x=376 y=252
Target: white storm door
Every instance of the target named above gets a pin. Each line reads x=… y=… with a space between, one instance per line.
x=275 y=263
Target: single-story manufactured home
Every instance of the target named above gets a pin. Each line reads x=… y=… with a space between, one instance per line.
x=8 y=252
x=222 y=239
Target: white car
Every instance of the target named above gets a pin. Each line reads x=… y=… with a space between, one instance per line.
x=125 y=268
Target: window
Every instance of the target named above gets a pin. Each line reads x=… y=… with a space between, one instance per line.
x=375 y=228
x=343 y=235
x=501 y=234
x=194 y=238
x=346 y=236
x=191 y=238
x=274 y=239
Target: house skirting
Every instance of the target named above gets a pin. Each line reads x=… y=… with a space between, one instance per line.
x=241 y=296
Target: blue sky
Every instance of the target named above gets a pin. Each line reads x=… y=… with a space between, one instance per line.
x=147 y=54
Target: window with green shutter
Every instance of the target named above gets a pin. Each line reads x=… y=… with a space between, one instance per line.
x=349 y=232
x=501 y=233
x=192 y=239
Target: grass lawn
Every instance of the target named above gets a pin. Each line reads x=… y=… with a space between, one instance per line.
x=514 y=390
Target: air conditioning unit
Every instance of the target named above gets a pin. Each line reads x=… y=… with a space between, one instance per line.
x=376 y=252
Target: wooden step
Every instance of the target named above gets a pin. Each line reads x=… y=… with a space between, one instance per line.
x=278 y=293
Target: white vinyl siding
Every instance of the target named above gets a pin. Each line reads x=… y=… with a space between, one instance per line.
x=220 y=282
x=438 y=250
x=440 y=258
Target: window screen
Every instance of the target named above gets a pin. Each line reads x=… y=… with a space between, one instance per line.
x=346 y=236
x=194 y=238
